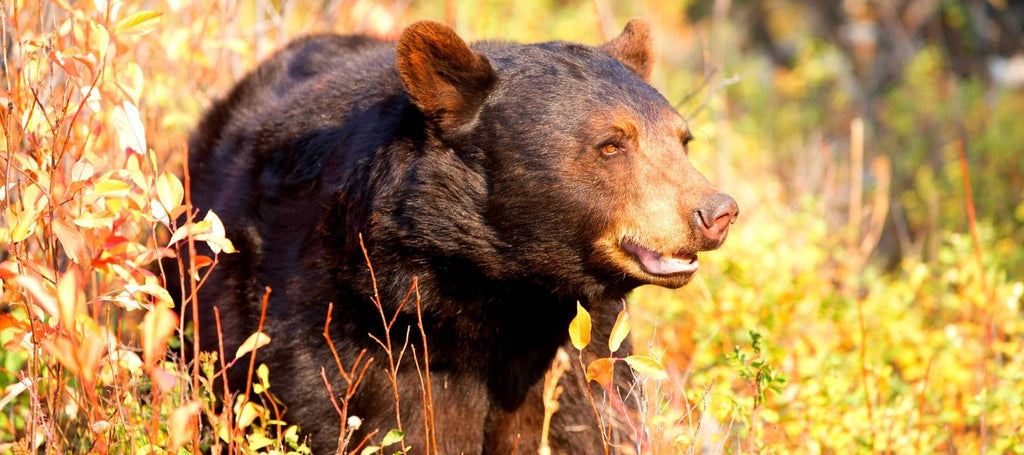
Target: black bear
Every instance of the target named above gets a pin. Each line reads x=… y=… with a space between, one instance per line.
x=511 y=181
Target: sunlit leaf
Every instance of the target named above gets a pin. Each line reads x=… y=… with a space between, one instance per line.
x=170 y=193
x=24 y=225
x=163 y=380
x=43 y=298
x=131 y=134
x=113 y=188
x=601 y=370
x=139 y=23
x=99 y=38
x=258 y=441
x=579 y=328
x=619 y=331
x=66 y=64
x=392 y=437
x=263 y=374
x=93 y=220
x=154 y=290
x=71 y=240
x=183 y=424
x=647 y=366
x=12 y=391
x=255 y=341
x=187 y=230
x=157 y=326
x=216 y=236
x=249 y=413
x=368 y=450
x=69 y=298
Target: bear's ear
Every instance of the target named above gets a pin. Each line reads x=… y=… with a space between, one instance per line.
x=633 y=48
x=443 y=76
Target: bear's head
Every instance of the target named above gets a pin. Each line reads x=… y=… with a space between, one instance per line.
x=589 y=188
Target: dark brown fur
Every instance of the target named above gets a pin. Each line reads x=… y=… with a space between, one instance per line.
x=480 y=171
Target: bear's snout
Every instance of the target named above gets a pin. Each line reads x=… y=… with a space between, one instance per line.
x=713 y=218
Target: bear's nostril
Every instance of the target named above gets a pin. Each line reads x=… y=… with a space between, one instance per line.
x=716 y=214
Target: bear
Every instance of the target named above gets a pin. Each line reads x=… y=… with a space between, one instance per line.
x=503 y=183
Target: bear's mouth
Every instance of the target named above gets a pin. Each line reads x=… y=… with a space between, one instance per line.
x=662 y=264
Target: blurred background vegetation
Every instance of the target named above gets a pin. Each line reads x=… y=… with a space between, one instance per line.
x=863 y=303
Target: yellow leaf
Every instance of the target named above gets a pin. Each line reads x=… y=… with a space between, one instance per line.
x=648 y=366
x=188 y=230
x=111 y=188
x=169 y=193
x=154 y=290
x=255 y=341
x=24 y=225
x=99 y=38
x=139 y=23
x=157 y=326
x=250 y=411
x=601 y=370
x=216 y=237
x=95 y=219
x=619 y=331
x=579 y=328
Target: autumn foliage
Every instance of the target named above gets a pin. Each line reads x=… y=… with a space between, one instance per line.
x=794 y=337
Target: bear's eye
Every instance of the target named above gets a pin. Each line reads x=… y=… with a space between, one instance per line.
x=609 y=149
x=687 y=138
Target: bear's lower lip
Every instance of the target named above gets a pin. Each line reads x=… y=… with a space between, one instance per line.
x=662 y=264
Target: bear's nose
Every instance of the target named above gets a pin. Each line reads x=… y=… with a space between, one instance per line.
x=717 y=212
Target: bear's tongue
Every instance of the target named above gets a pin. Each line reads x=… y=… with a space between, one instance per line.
x=663 y=264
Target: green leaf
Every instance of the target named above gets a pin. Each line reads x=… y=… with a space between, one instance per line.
x=258 y=441
x=392 y=437
x=579 y=328
x=369 y=449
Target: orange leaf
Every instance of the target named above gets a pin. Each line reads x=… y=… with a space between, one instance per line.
x=71 y=240
x=182 y=424
x=579 y=328
x=601 y=370
x=619 y=331
x=81 y=359
x=69 y=299
x=163 y=380
x=44 y=299
x=648 y=366
x=157 y=326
